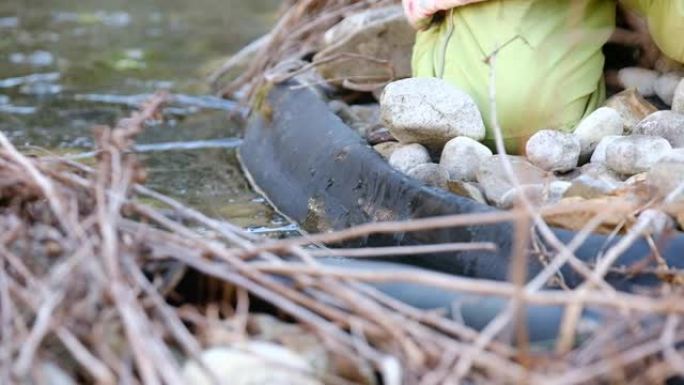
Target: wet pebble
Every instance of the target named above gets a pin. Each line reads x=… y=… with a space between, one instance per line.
x=429 y=111
x=462 y=157
x=409 y=156
x=665 y=124
x=553 y=150
x=641 y=79
x=601 y=123
x=635 y=154
x=430 y=174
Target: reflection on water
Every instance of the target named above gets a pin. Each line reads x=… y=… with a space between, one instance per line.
x=66 y=65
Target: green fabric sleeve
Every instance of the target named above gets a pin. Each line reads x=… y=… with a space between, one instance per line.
x=549 y=68
x=665 y=22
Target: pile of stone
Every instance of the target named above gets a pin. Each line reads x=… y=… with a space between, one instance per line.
x=432 y=131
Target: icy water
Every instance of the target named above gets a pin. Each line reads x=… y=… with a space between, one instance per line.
x=66 y=65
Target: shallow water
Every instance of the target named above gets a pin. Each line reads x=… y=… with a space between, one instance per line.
x=66 y=65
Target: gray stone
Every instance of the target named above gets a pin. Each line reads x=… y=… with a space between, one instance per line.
x=494 y=181
x=601 y=123
x=599 y=155
x=536 y=194
x=678 y=99
x=589 y=187
x=462 y=157
x=553 y=150
x=666 y=85
x=251 y=363
x=381 y=36
x=635 y=154
x=386 y=149
x=431 y=174
x=429 y=111
x=668 y=173
x=641 y=79
x=409 y=156
x=631 y=106
x=665 y=124
x=47 y=372
x=466 y=189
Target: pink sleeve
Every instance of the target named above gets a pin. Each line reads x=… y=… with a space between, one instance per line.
x=419 y=12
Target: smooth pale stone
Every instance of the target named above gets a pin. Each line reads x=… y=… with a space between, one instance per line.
x=431 y=174
x=599 y=155
x=631 y=106
x=635 y=154
x=601 y=123
x=553 y=150
x=666 y=85
x=641 y=79
x=537 y=194
x=466 y=189
x=678 y=99
x=668 y=173
x=409 y=156
x=429 y=111
x=50 y=373
x=253 y=363
x=595 y=181
x=665 y=124
x=462 y=157
x=494 y=181
x=386 y=149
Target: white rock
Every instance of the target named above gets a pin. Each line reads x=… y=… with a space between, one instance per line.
x=642 y=79
x=603 y=122
x=429 y=111
x=678 y=98
x=635 y=154
x=431 y=174
x=665 y=124
x=599 y=155
x=409 y=156
x=666 y=85
x=667 y=174
x=254 y=363
x=553 y=150
x=462 y=157
x=495 y=182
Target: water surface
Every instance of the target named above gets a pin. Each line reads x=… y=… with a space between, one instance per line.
x=67 y=65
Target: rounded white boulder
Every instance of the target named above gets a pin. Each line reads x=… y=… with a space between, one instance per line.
x=601 y=123
x=630 y=155
x=553 y=150
x=462 y=157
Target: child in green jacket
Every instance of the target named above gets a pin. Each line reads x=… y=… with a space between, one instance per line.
x=549 y=64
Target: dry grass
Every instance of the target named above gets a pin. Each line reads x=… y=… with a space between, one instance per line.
x=90 y=279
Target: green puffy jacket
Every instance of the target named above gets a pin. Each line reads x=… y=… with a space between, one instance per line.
x=549 y=68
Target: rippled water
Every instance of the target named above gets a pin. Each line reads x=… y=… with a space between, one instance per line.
x=66 y=65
